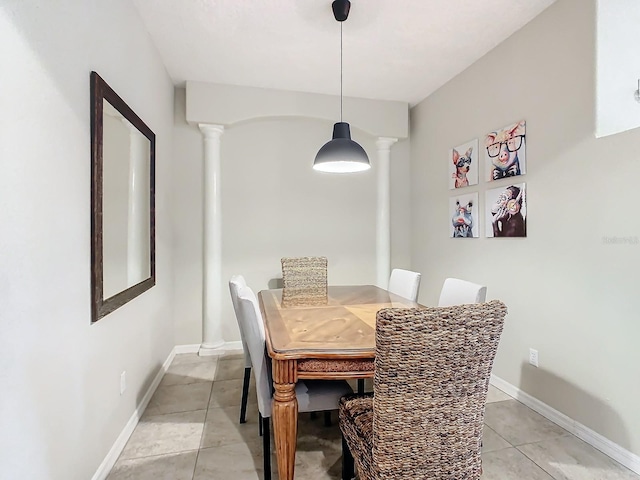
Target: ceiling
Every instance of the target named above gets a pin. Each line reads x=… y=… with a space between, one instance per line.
x=393 y=49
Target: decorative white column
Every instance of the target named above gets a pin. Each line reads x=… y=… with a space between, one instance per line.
x=212 y=340
x=383 y=222
x=138 y=266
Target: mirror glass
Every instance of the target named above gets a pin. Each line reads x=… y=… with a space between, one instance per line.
x=123 y=240
x=125 y=204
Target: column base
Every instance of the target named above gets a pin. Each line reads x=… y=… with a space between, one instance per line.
x=208 y=349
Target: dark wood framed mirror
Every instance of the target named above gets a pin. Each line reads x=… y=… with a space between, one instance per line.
x=122 y=202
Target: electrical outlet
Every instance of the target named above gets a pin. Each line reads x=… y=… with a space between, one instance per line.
x=533 y=357
x=123 y=382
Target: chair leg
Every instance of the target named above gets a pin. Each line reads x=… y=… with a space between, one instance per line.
x=361 y=386
x=266 y=448
x=260 y=419
x=245 y=394
x=327 y=418
x=347 y=461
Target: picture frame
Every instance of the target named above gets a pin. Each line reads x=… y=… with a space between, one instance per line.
x=506 y=211
x=463 y=165
x=464 y=215
x=505 y=151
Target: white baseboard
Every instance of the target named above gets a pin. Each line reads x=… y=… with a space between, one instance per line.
x=111 y=458
x=228 y=347
x=606 y=446
x=186 y=348
x=233 y=347
x=115 y=451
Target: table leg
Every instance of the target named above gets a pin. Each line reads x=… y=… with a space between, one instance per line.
x=285 y=416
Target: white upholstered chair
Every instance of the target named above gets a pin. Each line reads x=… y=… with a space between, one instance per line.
x=459 y=292
x=405 y=283
x=236 y=284
x=312 y=395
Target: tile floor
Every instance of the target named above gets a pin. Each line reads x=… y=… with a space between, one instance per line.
x=190 y=431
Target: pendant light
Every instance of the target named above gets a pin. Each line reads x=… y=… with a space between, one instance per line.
x=341 y=154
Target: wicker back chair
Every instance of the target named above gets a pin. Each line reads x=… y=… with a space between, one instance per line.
x=304 y=281
x=432 y=371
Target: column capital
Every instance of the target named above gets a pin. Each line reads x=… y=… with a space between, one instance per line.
x=211 y=130
x=384 y=143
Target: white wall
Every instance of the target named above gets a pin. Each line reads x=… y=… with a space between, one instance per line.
x=274 y=205
x=232 y=104
x=571 y=291
x=618 y=65
x=60 y=407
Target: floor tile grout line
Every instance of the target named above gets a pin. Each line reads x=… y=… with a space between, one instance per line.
x=206 y=415
x=166 y=454
x=514 y=446
x=552 y=437
x=536 y=463
x=204 y=424
x=517 y=448
x=566 y=434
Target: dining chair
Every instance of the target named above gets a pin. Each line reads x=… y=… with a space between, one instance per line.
x=457 y=292
x=311 y=395
x=430 y=384
x=405 y=283
x=236 y=284
x=304 y=280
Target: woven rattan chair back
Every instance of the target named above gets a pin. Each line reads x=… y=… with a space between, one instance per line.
x=304 y=281
x=432 y=372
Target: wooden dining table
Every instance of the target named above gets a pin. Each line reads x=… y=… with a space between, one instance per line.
x=333 y=340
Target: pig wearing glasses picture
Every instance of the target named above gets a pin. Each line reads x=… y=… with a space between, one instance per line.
x=463 y=165
x=505 y=151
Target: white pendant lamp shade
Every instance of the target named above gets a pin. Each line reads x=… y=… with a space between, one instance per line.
x=341 y=154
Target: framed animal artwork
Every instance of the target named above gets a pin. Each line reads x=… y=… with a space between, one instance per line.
x=506 y=211
x=463 y=216
x=463 y=165
x=505 y=151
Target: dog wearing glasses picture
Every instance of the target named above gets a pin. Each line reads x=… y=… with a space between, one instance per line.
x=463 y=167
x=505 y=151
x=463 y=223
x=507 y=211
x=462 y=164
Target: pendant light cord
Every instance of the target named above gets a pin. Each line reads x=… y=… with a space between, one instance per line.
x=340 y=71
